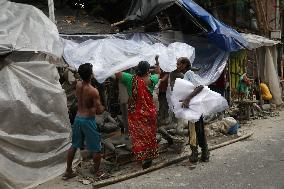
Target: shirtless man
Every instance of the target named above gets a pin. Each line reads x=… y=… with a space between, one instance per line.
x=84 y=127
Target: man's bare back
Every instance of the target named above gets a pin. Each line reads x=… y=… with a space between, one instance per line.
x=85 y=132
x=88 y=100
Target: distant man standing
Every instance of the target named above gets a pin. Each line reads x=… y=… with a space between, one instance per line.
x=85 y=128
x=197 y=133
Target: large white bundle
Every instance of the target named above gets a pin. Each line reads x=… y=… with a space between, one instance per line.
x=112 y=55
x=26 y=28
x=205 y=103
x=34 y=131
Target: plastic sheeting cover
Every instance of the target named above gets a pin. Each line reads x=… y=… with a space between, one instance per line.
x=34 y=128
x=26 y=28
x=221 y=35
x=112 y=55
x=256 y=41
x=271 y=77
x=142 y=10
x=210 y=59
x=205 y=103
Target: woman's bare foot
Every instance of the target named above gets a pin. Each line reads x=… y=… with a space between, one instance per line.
x=146 y=163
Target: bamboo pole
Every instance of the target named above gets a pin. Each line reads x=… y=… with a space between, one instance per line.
x=230 y=84
x=258 y=76
x=118 y=23
x=161 y=165
x=51 y=11
x=261 y=18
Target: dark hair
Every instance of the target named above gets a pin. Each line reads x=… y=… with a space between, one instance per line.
x=186 y=61
x=142 y=68
x=85 y=71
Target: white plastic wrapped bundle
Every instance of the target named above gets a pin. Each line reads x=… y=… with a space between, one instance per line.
x=26 y=28
x=205 y=103
x=112 y=55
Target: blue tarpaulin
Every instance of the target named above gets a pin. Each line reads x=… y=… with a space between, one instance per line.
x=221 y=35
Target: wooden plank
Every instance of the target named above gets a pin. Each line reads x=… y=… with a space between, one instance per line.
x=118 y=23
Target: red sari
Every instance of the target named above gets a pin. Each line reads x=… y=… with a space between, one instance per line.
x=142 y=121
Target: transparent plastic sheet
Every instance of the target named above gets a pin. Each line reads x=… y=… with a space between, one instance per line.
x=271 y=76
x=26 y=28
x=210 y=59
x=204 y=103
x=34 y=131
x=195 y=79
x=111 y=55
x=256 y=41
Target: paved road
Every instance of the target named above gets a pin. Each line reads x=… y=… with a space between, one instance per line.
x=255 y=163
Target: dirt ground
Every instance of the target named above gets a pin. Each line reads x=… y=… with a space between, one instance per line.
x=85 y=178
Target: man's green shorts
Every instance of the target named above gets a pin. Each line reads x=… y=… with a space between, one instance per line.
x=85 y=129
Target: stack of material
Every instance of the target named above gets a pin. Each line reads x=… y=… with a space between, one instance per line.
x=34 y=133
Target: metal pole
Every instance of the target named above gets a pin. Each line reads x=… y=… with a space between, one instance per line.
x=51 y=10
x=229 y=81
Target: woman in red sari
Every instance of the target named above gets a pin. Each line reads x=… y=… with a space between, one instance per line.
x=142 y=115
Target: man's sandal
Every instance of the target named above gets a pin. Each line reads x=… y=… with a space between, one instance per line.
x=69 y=175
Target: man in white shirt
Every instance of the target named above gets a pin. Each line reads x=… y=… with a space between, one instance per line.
x=197 y=129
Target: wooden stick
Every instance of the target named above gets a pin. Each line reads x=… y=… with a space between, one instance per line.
x=118 y=23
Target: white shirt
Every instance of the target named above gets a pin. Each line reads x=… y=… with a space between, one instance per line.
x=195 y=79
